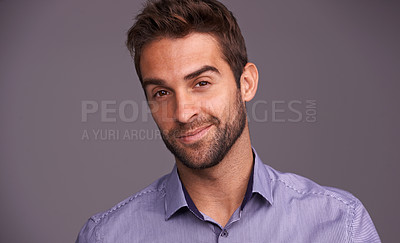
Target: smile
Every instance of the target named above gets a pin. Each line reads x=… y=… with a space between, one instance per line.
x=195 y=135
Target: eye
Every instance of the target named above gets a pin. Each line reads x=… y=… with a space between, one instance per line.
x=161 y=93
x=202 y=83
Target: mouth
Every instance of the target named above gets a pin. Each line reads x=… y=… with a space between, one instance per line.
x=195 y=135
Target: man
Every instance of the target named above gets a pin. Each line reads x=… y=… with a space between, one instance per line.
x=191 y=60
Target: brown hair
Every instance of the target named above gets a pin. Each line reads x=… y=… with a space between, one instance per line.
x=178 y=18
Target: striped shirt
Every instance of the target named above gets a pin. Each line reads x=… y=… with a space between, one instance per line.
x=278 y=207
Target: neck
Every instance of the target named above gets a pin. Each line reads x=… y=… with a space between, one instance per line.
x=219 y=191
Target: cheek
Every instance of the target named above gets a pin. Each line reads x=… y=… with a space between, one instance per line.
x=234 y=106
x=161 y=113
x=218 y=105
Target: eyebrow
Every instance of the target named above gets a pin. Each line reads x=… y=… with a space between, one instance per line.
x=202 y=70
x=156 y=81
x=152 y=81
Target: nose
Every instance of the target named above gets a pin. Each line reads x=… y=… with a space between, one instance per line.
x=186 y=107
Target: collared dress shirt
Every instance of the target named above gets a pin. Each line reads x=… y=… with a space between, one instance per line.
x=278 y=207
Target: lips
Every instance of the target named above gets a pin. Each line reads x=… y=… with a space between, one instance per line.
x=194 y=135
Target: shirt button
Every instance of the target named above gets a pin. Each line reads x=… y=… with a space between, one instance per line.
x=224 y=233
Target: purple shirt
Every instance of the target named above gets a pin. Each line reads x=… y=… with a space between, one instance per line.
x=278 y=207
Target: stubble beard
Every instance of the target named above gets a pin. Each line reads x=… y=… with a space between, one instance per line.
x=206 y=154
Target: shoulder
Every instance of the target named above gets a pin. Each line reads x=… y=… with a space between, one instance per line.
x=128 y=211
x=293 y=185
x=139 y=200
x=315 y=204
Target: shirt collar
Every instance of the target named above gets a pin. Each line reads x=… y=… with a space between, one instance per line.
x=261 y=179
x=176 y=199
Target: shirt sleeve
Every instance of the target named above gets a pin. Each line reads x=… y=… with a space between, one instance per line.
x=363 y=229
x=88 y=233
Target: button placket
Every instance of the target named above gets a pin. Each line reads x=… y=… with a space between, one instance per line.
x=224 y=233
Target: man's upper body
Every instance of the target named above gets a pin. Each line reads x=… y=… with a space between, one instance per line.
x=277 y=207
x=191 y=60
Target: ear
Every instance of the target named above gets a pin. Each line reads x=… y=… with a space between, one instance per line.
x=249 y=82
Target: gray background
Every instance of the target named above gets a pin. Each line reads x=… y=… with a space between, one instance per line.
x=56 y=54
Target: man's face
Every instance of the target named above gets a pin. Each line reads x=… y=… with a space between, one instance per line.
x=193 y=98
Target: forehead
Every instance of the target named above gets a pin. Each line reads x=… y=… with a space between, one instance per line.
x=175 y=57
